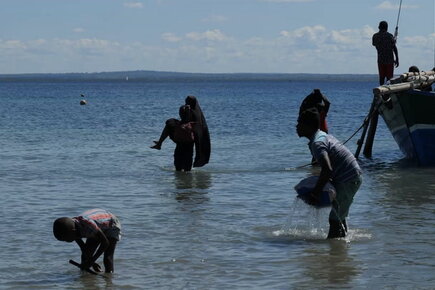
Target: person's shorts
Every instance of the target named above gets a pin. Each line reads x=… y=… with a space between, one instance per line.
x=114 y=232
x=386 y=70
x=345 y=193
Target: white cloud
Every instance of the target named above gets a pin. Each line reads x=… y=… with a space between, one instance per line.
x=211 y=35
x=309 y=49
x=308 y=37
x=86 y=43
x=351 y=36
x=306 y=49
x=311 y=33
x=387 y=5
x=170 y=37
x=417 y=41
x=214 y=35
x=78 y=30
x=12 y=44
x=133 y=5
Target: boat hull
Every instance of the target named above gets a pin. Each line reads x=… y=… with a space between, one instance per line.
x=410 y=117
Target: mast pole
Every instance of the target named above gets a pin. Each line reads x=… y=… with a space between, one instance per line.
x=396 y=32
x=368 y=148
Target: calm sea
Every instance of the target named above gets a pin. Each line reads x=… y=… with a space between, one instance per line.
x=233 y=224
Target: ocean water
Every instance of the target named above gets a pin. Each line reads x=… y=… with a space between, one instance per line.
x=232 y=224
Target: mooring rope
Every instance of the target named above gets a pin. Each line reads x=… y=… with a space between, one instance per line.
x=366 y=120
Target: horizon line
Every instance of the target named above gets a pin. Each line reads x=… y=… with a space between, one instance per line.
x=182 y=72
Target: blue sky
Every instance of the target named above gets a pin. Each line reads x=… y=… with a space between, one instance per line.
x=223 y=36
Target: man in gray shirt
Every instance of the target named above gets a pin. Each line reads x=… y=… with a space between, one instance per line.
x=338 y=165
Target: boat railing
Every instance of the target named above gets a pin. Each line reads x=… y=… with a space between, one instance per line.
x=406 y=81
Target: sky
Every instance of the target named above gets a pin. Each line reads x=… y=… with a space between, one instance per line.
x=210 y=36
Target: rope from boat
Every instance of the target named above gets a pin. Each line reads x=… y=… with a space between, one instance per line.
x=366 y=120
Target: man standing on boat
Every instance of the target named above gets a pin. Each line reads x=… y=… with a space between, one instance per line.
x=388 y=55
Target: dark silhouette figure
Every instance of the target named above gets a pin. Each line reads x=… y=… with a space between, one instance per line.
x=182 y=133
x=202 y=135
x=414 y=69
x=319 y=101
x=388 y=55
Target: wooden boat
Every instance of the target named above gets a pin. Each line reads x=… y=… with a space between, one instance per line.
x=407 y=106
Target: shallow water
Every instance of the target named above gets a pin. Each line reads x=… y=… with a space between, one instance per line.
x=234 y=223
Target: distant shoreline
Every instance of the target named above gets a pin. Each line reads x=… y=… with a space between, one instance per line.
x=143 y=75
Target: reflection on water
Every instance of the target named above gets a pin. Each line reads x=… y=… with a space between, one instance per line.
x=78 y=278
x=411 y=186
x=329 y=265
x=192 y=185
x=102 y=281
x=399 y=216
x=405 y=193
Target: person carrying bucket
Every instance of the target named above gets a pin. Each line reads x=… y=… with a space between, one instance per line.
x=338 y=165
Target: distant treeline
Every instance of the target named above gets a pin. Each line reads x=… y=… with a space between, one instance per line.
x=154 y=76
